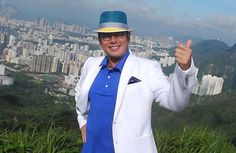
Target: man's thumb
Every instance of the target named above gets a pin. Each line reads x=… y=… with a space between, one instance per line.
x=189 y=43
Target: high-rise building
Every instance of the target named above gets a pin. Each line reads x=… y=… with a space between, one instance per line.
x=38 y=63
x=9 y=54
x=75 y=47
x=51 y=50
x=12 y=40
x=218 y=85
x=204 y=85
x=70 y=56
x=41 y=64
x=2 y=42
x=195 y=88
x=86 y=47
x=50 y=39
x=6 y=80
x=33 y=63
x=81 y=57
x=75 y=68
x=54 y=65
x=42 y=22
x=211 y=85
x=2 y=38
x=2 y=70
x=65 y=67
x=72 y=68
x=25 y=53
x=19 y=50
x=48 y=64
x=167 y=61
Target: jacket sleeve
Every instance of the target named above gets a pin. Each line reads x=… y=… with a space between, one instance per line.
x=81 y=117
x=172 y=93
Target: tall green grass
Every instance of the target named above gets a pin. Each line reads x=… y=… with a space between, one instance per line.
x=49 y=140
x=59 y=140
x=194 y=140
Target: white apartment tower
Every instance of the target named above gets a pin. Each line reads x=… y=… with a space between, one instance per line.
x=2 y=38
x=12 y=40
x=2 y=70
x=211 y=85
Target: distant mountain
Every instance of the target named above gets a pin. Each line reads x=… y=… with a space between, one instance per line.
x=184 y=38
x=233 y=48
x=8 y=11
x=210 y=46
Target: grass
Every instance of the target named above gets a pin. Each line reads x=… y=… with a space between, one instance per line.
x=58 y=140
x=49 y=140
x=194 y=140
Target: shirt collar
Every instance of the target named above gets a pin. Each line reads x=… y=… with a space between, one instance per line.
x=121 y=63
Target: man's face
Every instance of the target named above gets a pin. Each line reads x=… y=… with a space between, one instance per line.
x=115 y=44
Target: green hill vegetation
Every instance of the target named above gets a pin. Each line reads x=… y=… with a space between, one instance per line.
x=216 y=112
x=59 y=140
x=34 y=121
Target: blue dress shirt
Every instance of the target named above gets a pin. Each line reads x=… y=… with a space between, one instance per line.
x=102 y=98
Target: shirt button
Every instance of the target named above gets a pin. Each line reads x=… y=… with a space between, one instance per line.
x=109 y=77
x=106 y=86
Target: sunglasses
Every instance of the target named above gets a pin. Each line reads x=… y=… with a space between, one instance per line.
x=108 y=36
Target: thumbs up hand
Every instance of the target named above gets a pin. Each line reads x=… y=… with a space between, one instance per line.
x=183 y=54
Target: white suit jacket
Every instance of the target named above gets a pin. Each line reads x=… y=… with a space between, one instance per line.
x=131 y=130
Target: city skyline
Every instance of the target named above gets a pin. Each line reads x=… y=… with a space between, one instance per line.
x=212 y=19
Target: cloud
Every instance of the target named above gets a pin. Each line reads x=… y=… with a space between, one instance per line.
x=159 y=17
x=218 y=23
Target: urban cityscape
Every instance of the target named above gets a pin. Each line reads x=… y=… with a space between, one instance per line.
x=42 y=56
x=58 y=48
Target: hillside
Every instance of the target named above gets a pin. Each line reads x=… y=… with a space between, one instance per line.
x=217 y=112
x=26 y=104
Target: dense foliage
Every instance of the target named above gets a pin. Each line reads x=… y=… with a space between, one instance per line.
x=34 y=121
x=59 y=140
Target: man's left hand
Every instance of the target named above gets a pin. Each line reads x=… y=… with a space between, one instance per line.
x=183 y=54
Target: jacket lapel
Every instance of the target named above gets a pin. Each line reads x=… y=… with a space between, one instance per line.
x=87 y=84
x=126 y=74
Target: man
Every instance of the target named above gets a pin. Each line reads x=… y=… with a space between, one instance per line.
x=115 y=93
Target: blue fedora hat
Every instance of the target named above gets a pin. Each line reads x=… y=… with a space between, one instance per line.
x=113 y=21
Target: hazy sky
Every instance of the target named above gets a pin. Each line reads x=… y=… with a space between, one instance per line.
x=212 y=19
